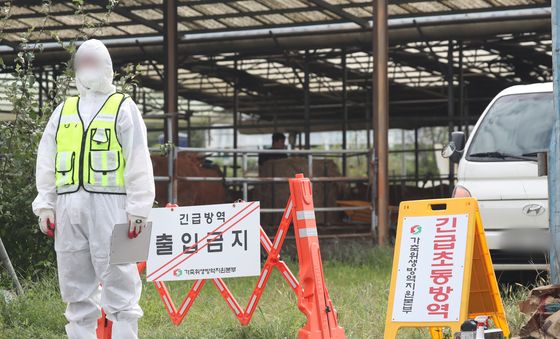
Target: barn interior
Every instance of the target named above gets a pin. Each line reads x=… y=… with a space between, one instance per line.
x=214 y=79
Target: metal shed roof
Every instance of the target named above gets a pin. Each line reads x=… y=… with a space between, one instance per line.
x=145 y=17
x=264 y=46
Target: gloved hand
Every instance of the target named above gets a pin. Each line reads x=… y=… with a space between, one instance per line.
x=135 y=225
x=46 y=221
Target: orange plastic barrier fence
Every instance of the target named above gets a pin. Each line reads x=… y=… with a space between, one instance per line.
x=313 y=298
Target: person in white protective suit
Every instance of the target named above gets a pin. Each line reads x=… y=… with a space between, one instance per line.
x=94 y=171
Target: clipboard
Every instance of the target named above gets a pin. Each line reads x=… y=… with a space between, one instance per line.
x=125 y=250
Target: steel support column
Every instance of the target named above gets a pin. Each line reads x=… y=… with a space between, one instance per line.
x=381 y=114
x=170 y=105
x=450 y=108
x=306 y=112
x=416 y=158
x=464 y=123
x=235 y=117
x=188 y=120
x=189 y=130
x=344 y=112
x=554 y=152
x=170 y=68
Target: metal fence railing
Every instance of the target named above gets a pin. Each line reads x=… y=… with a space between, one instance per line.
x=244 y=180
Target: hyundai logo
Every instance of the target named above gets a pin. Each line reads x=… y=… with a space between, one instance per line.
x=533 y=210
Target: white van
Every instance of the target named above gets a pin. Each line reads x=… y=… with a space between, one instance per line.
x=498 y=166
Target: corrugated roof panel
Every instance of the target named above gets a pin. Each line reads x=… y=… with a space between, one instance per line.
x=203 y=24
x=114 y=17
x=186 y=11
x=137 y=29
x=511 y=2
x=240 y=22
x=287 y=3
x=38 y=35
x=338 y=2
x=12 y=37
x=396 y=10
x=15 y=10
x=181 y=27
x=150 y=14
x=66 y=33
x=139 y=2
x=250 y=6
x=40 y=22
x=216 y=8
x=309 y=16
x=102 y=31
x=425 y=7
x=275 y=19
x=85 y=6
x=359 y=12
x=467 y=4
x=51 y=8
x=14 y=24
x=71 y=19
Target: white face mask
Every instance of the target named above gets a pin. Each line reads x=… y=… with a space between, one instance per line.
x=92 y=79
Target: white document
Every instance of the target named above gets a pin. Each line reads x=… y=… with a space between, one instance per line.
x=125 y=250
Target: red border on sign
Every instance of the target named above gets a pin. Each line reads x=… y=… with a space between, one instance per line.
x=206 y=244
x=206 y=236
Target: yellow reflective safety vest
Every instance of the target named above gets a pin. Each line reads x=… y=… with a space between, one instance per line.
x=90 y=157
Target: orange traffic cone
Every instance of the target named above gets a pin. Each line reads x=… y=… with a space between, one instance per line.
x=314 y=300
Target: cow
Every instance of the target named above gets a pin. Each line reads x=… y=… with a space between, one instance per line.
x=190 y=193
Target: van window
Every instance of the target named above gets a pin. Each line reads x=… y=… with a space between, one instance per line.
x=517 y=124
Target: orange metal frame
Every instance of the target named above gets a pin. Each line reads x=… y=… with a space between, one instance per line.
x=313 y=298
x=244 y=316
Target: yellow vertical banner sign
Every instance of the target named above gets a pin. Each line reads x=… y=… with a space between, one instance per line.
x=442 y=272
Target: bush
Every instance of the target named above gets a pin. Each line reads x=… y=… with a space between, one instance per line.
x=30 y=251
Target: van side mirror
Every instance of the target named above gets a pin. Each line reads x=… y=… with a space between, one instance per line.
x=454 y=149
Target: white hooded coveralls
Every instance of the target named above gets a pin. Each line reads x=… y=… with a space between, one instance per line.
x=85 y=221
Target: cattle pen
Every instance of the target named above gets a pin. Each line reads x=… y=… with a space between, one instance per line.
x=243 y=183
x=392 y=79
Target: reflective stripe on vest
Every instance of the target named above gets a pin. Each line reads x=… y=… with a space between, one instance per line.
x=90 y=157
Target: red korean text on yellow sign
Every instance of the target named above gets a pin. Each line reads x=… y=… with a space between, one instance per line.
x=479 y=290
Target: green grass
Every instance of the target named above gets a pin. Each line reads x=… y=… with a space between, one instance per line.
x=357 y=277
